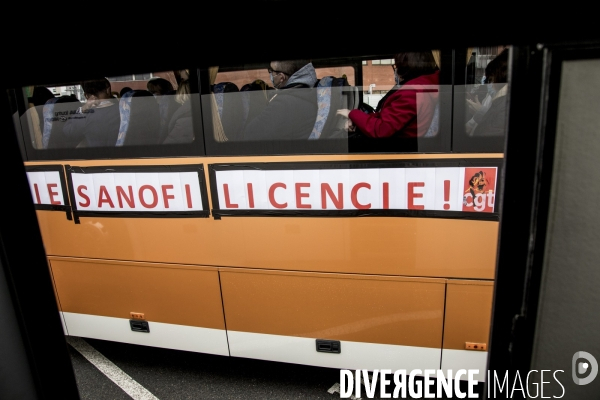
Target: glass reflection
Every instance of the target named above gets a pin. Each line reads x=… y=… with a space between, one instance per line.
x=389 y=103
x=487 y=99
x=140 y=109
x=306 y=103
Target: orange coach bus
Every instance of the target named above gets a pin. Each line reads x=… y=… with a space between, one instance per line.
x=172 y=219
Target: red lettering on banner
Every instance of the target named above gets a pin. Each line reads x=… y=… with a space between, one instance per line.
x=167 y=196
x=188 y=195
x=299 y=195
x=228 y=203
x=354 y=196
x=154 y=195
x=122 y=195
x=338 y=201
x=52 y=193
x=412 y=195
x=104 y=197
x=37 y=193
x=446 y=194
x=386 y=195
x=250 y=196
x=80 y=190
x=272 y=195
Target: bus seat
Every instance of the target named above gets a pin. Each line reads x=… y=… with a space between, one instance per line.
x=167 y=105
x=219 y=89
x=230 y=108
x=48 y=112
x=245 y=101
x=333 y=94
x=254 y=96
x=323 y=105
x=428 y=113
x=435 y=123
x=140 y=119
x=56 y=111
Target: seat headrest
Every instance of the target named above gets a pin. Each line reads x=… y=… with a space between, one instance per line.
x=49 y=117
x=326 y=81
x=324 y=105
x=125 y=112
x=48 y=113
x=225 y=87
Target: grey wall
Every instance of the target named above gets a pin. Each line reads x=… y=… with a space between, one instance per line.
x=569 y=311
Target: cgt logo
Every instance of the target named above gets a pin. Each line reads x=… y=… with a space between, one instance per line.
x=584 y=364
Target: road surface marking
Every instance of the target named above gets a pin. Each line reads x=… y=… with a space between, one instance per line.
x=112 y=372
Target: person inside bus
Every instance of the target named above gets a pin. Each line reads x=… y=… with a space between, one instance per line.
x=396 y=113
x=479 y=109
x=493 y=122
x=164 y=94
x=255 y=97
x=476 y=109
x=292 y=111
x=180 y=128
x=56 y=114
x=159 y=86
x=97 y=121
x=124 y=90
x=40 y=96
x=181 y=75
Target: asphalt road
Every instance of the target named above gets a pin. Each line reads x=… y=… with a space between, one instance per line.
x=172 y=374
x=115 y=371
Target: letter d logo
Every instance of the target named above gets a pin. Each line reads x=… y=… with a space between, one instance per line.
x=580 y=368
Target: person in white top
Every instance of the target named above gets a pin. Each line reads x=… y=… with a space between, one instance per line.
x=495 y=81
x=479 y=108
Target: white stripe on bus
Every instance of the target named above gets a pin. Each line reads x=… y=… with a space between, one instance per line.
x=168 y=336
x=354 y=355
x=465 y=359
x=300 y=350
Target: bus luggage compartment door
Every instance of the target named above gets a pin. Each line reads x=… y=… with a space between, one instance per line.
x=467 y=325
x=180 y=304
x=380 y=321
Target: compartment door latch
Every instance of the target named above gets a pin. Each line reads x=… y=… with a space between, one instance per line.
x=139 y=326
x=329 y=346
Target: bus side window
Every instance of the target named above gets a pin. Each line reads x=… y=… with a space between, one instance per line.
x=114 y=117
x=480 y=102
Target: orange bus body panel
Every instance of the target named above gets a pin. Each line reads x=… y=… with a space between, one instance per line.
x=384 y=245
x=375 y=309
x=174 y=294
x=468 y=313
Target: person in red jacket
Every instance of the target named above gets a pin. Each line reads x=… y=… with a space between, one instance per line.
x=408 y=108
